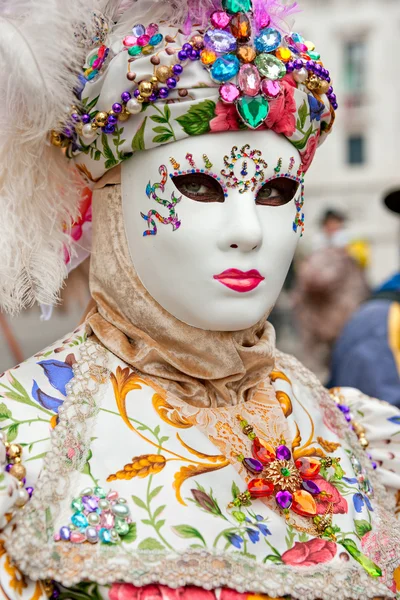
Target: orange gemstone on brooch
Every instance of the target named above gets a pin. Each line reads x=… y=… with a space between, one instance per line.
x=240 y=27
x=260 y=488
x=208 y=57
x=308 y=467
x=304 y=504
x=263 y=451
x=246 y=54
x=283 y=54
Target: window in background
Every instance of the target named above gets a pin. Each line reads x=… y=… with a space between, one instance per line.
x=355 y=150
x=355 y=76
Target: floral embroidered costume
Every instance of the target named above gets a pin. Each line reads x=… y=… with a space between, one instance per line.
x=143 y=455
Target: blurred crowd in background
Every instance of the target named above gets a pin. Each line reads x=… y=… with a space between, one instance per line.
x=339 y=312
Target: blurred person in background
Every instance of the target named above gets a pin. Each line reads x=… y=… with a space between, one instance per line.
x=332 y=232
x=367 y=354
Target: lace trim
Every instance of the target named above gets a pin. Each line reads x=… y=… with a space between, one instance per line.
x=31 y=543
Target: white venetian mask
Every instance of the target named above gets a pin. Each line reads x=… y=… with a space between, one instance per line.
x=212 y=224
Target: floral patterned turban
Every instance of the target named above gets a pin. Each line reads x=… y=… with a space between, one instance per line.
x=158 y=85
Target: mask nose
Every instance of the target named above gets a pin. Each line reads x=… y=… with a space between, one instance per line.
x=242 y=229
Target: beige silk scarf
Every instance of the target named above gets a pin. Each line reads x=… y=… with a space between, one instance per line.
x=204 y=368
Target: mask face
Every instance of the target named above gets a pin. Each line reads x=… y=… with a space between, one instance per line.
x=212 y=224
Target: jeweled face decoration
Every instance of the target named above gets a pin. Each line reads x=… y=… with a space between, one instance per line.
x=212 y=226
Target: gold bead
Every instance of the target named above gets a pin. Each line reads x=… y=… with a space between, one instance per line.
x=18 y=471
x=56 y=139
x=14 y=451
x=313 y=82
x=101 y=119
x=145 y=88
x=124 y=115
x=140 y=98
x=323 y=87
x=197 y=41
x=154 y=79
x=364 y=442
x=162 y=73
x=79 y=128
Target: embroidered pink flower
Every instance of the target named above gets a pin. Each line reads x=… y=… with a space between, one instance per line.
x=226 y=118
x=308 y=554
x=330 y=495
x=127 y=591
x=85 y=210
x=281 y=117
x=307 y=155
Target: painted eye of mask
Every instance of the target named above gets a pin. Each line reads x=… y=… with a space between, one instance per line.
x=199 y=187
x=277 y=192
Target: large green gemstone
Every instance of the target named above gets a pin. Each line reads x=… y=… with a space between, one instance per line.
x=271 y=67
x=253 y=111
x=236 y=6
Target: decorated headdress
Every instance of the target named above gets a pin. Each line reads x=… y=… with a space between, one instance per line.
x=153 y=73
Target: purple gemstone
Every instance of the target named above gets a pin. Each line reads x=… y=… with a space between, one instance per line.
x=109 y=129
x=194 y=54
x=86 y=118
x=342 y=407
x=65 y=533
x=177 y=69
x=68 y=132
x=317 y=69
x=9 y=467
x=30 y=490
x=290 y=67
x=112 y=119
x=89 y=502
x=298 y=64
x=182 y=55
x=163 y=92
x=136 y=93
x=330 y=90
x=335 y=105
x=284 y=499
x=171 y=82
x=125 y=96
x=117 y=107
x=253 y=465
x=311 y=487
x=187 y=47
x=328 y=79
x=220 y=41
x=153 y=97
x=56 y=594
x=283 y=453
x=374 y=465
x=75 y=117
x=310 y=65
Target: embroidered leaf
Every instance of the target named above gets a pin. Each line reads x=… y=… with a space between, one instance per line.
x=5 y=413
x=308 y=452
x=154 y=492
x=303 y=112
x=362 y=527
x=235 y=490
x=92 y=103
x=160 y=129
x=159 y=524
x=370 y=567
x=167 y=112
x=274 y=559
x=187 y=531
x=158 y=119
x=139 y=502
x=191 y=471
x=168 y=413
x=210 y=457
x=12 y=432
x=108 y=154
x=301 y=144
x=162 y=138
x=141 y=466
x=197 y=120
x=37 y=457
x=138 y=139
x=328 y=446
x=131 y=535
x=158 y=511
x=150 y=544
x=123 y=382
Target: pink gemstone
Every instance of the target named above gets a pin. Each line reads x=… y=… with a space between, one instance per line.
x=107 y=520
x=220 y=19
x=77 y=537
x=264 y=20
x=271 y=89
x=96 y=63
x=152 y=29
x=249 y=80
x=143 y=40
x=229 y=92
x=113 y=495
x=129 y=40
x=302 y=47
x=57 y=537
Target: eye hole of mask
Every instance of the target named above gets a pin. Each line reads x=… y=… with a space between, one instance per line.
x=199 y=187
x=277 y=192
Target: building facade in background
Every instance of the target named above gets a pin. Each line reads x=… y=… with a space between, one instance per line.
x=359 y=42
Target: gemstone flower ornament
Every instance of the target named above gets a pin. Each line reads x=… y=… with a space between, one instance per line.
x=250 y=58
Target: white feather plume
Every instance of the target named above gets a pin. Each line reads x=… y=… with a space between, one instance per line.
x=39 y=62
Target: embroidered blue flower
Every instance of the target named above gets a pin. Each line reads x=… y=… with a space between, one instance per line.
x=263 y=528
x=395 y=420
x=359 y=500
x=58 y=373
x=44 y=399
x=253 y=534
x=316 y=108
x=235 y=539
x=351 y=480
